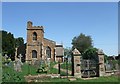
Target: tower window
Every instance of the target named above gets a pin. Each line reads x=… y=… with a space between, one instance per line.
x=34 y=54
x=34 y=36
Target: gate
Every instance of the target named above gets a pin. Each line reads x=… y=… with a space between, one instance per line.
x=89 y=68
x=65 y=67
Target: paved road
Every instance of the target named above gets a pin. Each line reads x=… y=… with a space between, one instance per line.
x=64 y=70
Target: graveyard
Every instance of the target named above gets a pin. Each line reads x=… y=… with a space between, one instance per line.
x=16 y=71
x=43 y=60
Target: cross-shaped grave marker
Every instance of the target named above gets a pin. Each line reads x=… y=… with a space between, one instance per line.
x=20 y=56
x=6 y=56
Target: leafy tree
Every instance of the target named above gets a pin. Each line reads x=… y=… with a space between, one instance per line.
x=119 y=60
x=67 y=51
x=82 y=42
x=19 y=41
x=8 y=43
x=91 y=53
x=105 y=58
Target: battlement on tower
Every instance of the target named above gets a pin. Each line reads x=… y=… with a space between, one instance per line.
x=30 y=26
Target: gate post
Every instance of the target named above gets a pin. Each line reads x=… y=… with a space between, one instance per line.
x=101 y=63
x=76 y=68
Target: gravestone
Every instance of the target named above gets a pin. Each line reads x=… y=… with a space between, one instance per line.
x=37 y=63
x=48 y=63
x=34 y=60
x=6 y=57
x=17 y=65
x=16 y=53
x=20 y=56
x=76 y=63
x=101 y=63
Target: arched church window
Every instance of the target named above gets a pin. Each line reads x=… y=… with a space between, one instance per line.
x=34 y=54
x=48 y=52
x=34 y=36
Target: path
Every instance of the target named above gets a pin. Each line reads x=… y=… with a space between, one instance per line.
x=64 y=70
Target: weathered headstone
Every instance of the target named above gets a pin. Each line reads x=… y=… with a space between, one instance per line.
x=17 y=65
x=16 y=53
x=6 y=57
x=34 y=61
x=48 y=62
x=20 y=56
x=101 y=63
x=76 y=63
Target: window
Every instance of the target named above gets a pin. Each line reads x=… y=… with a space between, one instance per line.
x=48 y=52
x=34 y=36
x=34 y=54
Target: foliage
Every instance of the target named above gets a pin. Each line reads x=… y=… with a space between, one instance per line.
x=5 y=61
x=19 y=41
x=51 y=69
x=65 y=66
x=9 y=43
x=67 y=51
x=114 y=62
x=119 y=59
x=82 y=42
x=90 y=53
x=105 y=58
x=10 y=75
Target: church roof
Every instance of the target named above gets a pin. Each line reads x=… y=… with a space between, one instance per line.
x=49 y=40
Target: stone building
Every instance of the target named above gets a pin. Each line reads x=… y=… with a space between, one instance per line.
x=38 y=47
x=59 y=53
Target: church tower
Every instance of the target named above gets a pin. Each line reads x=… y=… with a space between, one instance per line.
x=35 y=36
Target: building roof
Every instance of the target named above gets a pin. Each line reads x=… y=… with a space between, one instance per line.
x=50 y=40
x=59 y=46
x=59 y=51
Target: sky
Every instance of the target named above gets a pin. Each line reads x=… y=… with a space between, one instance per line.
x=64 y=20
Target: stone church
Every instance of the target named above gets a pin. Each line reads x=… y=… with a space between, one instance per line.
x=38 y=47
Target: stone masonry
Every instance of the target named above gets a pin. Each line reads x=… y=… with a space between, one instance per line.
x=76 y=60
x=37 y=46
x=101 y=63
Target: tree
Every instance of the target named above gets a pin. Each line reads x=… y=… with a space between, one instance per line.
x=67 y=51
x=105 y=58
x=82 y=42
x=19 y=41
x=8 y=43
x=91 y=53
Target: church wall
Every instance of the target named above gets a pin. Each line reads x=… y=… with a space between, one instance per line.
x=52 y=46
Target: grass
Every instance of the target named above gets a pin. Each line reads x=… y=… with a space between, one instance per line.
x=63 y=66
x=101 y=79
x=52 y=70
x=9 y=75
x=111 y=79
x=0 y=68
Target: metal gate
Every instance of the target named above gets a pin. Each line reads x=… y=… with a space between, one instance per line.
x=89 y=68
x=65 y=67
